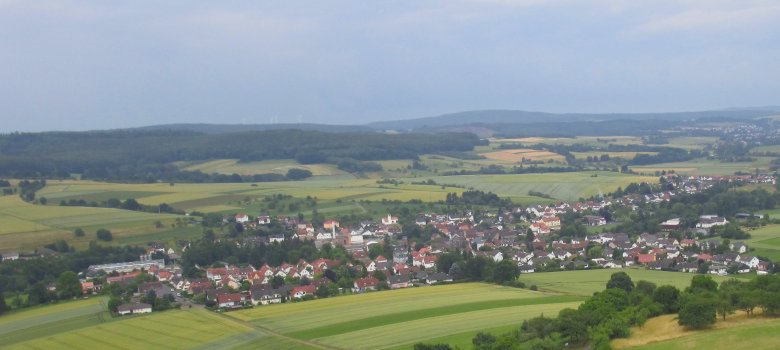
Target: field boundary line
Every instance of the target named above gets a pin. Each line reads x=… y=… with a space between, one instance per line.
x=279 y=335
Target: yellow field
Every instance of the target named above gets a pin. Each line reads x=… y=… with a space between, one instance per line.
x=590 y=140
x=517 y=155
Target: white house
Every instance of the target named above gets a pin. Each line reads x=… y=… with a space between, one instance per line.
x=242 y=218
x=389 y=220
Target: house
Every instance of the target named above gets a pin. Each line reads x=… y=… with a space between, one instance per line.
x=229 y=300
x=540 y=228
x=389 y=220
x=526 y=268
x=242 y=218
x=751 y=261
x=10 y=256
x=439 y=277
x=127 y=309
x=710 y=221
x=330 y=224
x=591 y=220
x=399 y=281
x=671 y=225
x=738 y=247
x=646 y=258
x=764 y=267
x=554 y=222
x=365 y=284
x=263 y=219
x=87 y=287
x=267 y=296
x=302 y=291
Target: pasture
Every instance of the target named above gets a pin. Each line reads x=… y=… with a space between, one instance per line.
x=400 y=318
x=612 y=155
x=691 y=142
x=28 y=324
x=587 y=282
x=582 y=140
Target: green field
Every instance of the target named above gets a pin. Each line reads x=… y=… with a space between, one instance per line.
x=566 y=186
x=691 y=142
x=588 y=282
x=28 y=226
x=32 y=323
x=233 y=166
x=765 y=241
x=706 y=167
x=596 y=141
x=402 y=317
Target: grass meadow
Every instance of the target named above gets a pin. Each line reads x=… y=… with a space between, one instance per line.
x=706 y=167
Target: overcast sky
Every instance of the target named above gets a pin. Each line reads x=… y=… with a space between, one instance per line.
x=73 y=65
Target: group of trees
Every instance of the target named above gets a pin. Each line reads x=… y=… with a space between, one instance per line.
x=463 y=267
x=128 y=204
x=705 y=299
x=31 y=277
x=476 y=197
x=147 y=155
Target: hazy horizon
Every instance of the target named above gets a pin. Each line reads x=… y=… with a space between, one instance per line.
x=84 y=65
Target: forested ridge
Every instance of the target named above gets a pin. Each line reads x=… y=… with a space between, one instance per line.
x=143 y=155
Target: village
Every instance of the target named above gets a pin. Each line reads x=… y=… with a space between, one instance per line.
x=526 y=236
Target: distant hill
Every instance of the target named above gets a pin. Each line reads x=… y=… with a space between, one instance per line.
x=486 y=118
x=231 y=128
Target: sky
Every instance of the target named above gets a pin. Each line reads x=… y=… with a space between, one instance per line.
x=83 y=65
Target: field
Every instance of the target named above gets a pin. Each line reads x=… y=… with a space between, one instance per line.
x=691 y=142
x=765 y=241
x=402 y=317
x=566 y=186
x=706 y=167
x=233 y=166
x=518 y=155
x=589 y=281
x=28 y=226
x=737 y=332
x=612 y=155
x=583 y=140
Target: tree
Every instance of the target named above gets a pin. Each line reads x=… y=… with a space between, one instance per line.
x=483 y=341
x=668 y=296
x=446 y=260
x=697 y=312
x=78 y=232
x=572 y=325
x=3 y=305
x=645 y=287
x=505 y=271
x=68 y=285
x=322 y=291
x=702 y=283
x=620 y=280
x=104 y=235
x=298 y=174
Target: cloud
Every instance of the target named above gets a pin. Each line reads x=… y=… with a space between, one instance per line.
x=762 y=16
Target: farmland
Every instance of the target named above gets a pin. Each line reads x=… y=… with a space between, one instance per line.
x=766 y=241
x=518 y=155
x=402 y=317
x=28 y=226
x=583 y=140
x=566 y=186
x=233 y=166
x=707 y=167
x=589 y=281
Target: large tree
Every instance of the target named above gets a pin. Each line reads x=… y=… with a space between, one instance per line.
x=697 y=312
x=620 y=280
x=669 y=297
x=68 y=285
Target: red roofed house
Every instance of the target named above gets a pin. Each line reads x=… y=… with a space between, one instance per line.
x=301 y=291
x=646 y=258
x=330 y=224
x=554 y=223
x=229 y=300
x=365 y=284
x=242 y=218
x=87 y=287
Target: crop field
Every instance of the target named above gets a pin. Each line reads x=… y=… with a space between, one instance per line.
x=518 y=155
x=566 y=186
x=31 y=323
x=25 y=225
x=178 y=329
x=706 y=167
x=770 y=149
x=587 y=282
x=737 y=332
x=233 y=166
x=403 y=317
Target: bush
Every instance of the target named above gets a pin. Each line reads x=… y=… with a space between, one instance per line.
x=104 y=235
